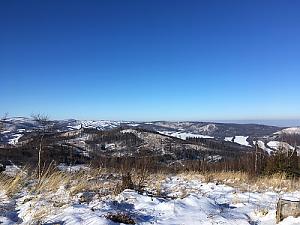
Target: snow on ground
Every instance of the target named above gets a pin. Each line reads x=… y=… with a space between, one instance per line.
x=11 y=170
x=213 y=158
x=15 y=138
x=184 y=135
x=194 y=203
x=291 y=197
x=8 y=216
x=262 y=145
x=70 y=168
x=133 y=124
x=278 y=145
x=242 y=140
x=128 y=131
x=76 y=127
x=12 y=138
x=229 y=139
x=98 y=124
x=290 y=130
x=5 y=132
x=208 y=128
x=186 y=201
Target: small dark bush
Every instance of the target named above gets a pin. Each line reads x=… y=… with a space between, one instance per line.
x=120 y=218
x=127 y=181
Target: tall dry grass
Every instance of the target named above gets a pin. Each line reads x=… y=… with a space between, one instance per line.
x=12 y=185
x=246 y=182
x=51 y=180
x=104 y=182
x=72 y=182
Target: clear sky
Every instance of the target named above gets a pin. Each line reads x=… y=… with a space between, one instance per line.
x=150 y=60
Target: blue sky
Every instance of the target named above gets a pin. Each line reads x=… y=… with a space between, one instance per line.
x=151 y=60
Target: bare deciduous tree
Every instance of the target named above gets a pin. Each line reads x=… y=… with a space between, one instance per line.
x=44 y=126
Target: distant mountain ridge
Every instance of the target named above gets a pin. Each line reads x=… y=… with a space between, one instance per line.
x=16 y=127
x=165 y=140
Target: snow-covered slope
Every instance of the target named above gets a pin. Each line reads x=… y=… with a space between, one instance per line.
x=262 y=146
x=290 y=130
x=186 y=202
x=98 y=124
x=277 y=145
x=242 y=140
x=183 y=135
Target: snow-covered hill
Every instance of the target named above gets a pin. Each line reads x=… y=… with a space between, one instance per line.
x=290 y=130
x=243 y=134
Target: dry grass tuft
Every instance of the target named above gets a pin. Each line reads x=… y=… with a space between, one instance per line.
x=12 y=185
x=51 y=181
x=277 y=182
x=40 y=214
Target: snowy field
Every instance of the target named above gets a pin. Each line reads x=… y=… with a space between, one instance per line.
x=180 y=201
x=242 y=140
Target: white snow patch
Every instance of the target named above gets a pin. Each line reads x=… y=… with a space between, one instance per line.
x=12 y=170
x=5 y=132
x=128 y=131
x=76 y=127
x=208 y=128
x=290 y=130
x=214 y=158
x=5 y=218
x=291 y=197
x=21 y=130
x=15 y=139
x=184 y=135
x=277 y=145
x=97 y=124
x=242 y=140
x=262 y=145
x=133 y=124
x=229 y=139
x=75 y=168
